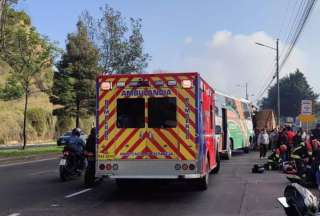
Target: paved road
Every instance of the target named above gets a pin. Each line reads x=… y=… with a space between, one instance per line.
x=34 y=189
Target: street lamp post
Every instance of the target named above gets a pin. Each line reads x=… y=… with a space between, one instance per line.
x=277 y=75
x=246 y=87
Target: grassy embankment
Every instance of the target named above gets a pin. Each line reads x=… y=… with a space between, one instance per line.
x=29 y=151
x=42 y=126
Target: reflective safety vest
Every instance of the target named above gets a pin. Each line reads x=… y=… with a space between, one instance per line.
x=299 y=152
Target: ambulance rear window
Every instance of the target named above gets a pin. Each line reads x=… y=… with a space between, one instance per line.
x=162 y=112
x=130 y=113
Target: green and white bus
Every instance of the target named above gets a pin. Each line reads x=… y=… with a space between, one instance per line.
x=234 y=127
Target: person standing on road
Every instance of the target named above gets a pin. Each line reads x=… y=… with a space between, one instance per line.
x=255 y=139
x=290 y=135
x=297 y=139
x=274 y=135
x=283 y=140
x=263 y=140
x=90 y=152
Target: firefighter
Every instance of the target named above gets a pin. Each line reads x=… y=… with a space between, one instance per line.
x=274 y=160
x=304 y=160
x=301 y=157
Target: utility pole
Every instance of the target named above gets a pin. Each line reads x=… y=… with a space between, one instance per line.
x=277 y=75
x=278 y=84
x=247 y=96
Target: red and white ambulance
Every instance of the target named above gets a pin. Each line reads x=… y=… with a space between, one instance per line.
x=156 y=126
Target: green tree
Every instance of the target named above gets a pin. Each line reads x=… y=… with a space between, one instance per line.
x=28 y=54
x=12 y=90
x=121 y=51
x=74 y=82
x=293 y=89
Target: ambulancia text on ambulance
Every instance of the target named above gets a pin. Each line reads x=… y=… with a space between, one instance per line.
x=156 y=126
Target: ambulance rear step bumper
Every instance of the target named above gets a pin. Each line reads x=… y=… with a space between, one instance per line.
x=187 y=176
x=148 y=169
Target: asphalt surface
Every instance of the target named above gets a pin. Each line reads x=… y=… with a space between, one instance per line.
x=35 y=189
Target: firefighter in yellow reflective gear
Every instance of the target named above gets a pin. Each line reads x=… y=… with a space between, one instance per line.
x=301 y=156
x=275 y=159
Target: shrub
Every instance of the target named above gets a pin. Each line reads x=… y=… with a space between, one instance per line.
x=40 y=120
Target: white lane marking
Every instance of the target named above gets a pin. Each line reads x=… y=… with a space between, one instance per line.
x=14 y=214
x=78 y=193
x=43 y=172
x=27 y=162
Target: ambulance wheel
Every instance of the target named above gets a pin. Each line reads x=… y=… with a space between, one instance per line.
x=203 y=183
x=217 y=168
x=89 y=176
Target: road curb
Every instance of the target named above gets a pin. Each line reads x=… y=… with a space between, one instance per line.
x=19 y=146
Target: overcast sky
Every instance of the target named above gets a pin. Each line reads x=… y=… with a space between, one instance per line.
x=215 y=38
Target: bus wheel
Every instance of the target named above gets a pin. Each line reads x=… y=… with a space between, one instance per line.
x=203 y=183
x=246 y=150
x=217 y=168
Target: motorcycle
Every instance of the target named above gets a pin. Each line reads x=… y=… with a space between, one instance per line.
x=71 y=164
x=299 y=201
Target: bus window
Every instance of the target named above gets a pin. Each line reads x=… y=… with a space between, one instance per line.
x=130 y=113
x=231 y=103
x=162 y=112
x=246 y=110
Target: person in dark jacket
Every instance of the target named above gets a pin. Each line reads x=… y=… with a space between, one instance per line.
x=91 y=142
x=90 y=152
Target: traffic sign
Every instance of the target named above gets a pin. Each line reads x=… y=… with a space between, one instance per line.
x=307 y=118
x=306 y=107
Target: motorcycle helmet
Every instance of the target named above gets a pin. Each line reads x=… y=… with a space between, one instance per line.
x=76 y=132
x=300 y=200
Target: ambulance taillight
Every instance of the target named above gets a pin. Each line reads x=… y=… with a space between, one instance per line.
x=105 y=86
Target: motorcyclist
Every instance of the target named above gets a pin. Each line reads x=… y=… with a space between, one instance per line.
x=77 y=144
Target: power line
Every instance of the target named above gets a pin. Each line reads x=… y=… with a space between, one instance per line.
x=293 y=35
x=306 y=15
